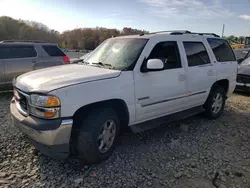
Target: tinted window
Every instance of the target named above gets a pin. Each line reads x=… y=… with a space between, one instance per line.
x=168 y=52
x=196 y=53
x=222 y=50
x=2 y=54
x=11 y=52
x=247 y=41
x=53 y=50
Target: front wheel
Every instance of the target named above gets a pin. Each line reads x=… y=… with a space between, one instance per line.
x=98 y=135
x=215 y=103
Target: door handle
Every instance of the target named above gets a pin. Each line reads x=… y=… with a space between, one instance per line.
x=33 y=61
x=182 y=77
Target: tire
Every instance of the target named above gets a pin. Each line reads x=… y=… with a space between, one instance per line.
x=210 y=106
x=91 y=133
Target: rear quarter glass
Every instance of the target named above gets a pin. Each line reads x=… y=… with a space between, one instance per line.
x=53 y=50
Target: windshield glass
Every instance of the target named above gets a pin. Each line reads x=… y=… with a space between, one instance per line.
x=85 y=56
x=119 y=53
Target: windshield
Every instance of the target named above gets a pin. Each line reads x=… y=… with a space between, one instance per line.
x=85 y=56
x=119 y=53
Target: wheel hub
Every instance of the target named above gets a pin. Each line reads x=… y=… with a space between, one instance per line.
x=106 y=136
x=217 y=103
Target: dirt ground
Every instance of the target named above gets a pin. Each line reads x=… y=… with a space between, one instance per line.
x=195 y=152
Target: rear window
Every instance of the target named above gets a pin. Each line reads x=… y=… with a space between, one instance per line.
x=53 y=50
x=222 y=50
x=196 y=53
x=11 y=52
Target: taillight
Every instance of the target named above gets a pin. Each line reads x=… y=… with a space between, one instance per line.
x=66 y=59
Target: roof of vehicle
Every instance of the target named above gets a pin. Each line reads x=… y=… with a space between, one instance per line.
x=171 y=33
x=25 y=42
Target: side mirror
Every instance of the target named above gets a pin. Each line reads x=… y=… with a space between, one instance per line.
x=154 y=65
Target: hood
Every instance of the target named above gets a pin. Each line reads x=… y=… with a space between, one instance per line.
x=45 y=80
x=245 y=70
x=244 y=67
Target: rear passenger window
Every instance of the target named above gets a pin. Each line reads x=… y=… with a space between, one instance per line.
x=168 y=52
x=222 y=50
x=12 y=52
x=196 y=53
x=53 y=50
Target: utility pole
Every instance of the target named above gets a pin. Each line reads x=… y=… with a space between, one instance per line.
x=223 y=29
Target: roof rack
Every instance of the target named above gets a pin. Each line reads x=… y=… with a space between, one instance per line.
x=31 y=41
x=181 y=32
x=213 y=34
x=172 y=31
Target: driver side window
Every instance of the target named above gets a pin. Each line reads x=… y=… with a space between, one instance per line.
x=168 y=52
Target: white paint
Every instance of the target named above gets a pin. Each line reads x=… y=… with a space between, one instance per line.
x=143 y=93
x=155 y=64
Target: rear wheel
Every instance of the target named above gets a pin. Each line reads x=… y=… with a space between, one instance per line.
x=97 y=136
x=215 y=103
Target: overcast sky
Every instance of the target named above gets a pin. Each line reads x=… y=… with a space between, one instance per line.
x=151 y=15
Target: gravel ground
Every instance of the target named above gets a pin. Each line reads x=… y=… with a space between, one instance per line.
x=192 y=153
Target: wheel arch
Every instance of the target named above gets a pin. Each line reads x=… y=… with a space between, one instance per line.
x=224 y=83
x=118 y=105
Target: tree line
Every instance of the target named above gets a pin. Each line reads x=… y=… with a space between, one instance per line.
x=234 y=39
x=83 y=38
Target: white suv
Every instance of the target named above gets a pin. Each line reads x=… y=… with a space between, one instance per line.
x=136 y=81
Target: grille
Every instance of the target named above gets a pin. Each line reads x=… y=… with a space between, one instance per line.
x=22 y=100
x=243 y=79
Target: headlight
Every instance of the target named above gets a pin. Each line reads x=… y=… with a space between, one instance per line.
x=44 y=101
x=45 y=106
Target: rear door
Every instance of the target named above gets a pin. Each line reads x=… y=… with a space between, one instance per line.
x=201 y=72
x=52 y=55
x=224 y=60
x=19 y=59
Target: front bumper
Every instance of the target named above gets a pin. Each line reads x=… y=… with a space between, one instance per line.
x=242 y=87
x=51 y=137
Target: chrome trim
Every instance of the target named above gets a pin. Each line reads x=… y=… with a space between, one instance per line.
x=197 y=93
x=171 y=99
x=55 y=109
x=19 y=108
x=59 y=136
x=24 y=112
x=143 y=98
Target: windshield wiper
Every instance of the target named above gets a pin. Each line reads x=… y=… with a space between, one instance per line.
x=80 y=61
x=106 y=65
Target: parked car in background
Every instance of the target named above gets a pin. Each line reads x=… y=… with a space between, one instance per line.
x=139 y=81
x=243 y=77
x=242 y=53
x=18 y=57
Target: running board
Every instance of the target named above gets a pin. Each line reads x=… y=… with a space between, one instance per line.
x=140 y=127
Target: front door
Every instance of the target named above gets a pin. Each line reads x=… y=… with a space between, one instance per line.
x=161 y=92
